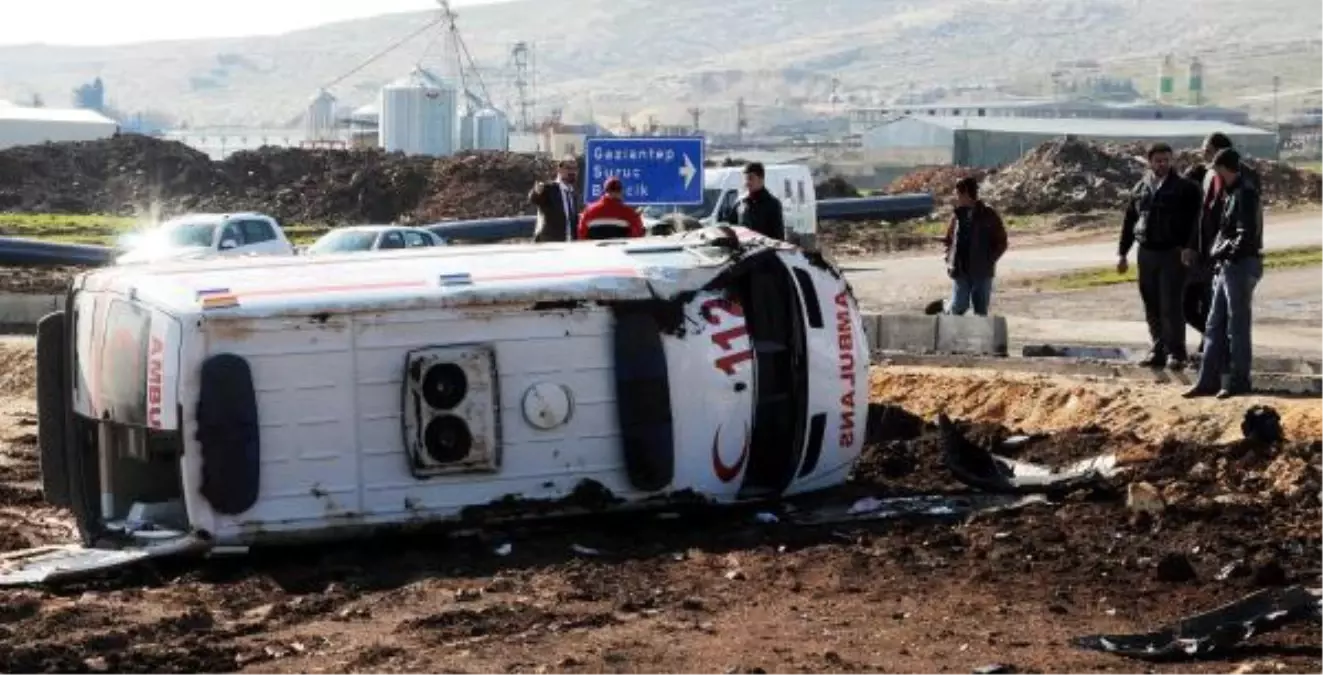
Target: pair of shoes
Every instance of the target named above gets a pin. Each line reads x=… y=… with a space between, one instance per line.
x=1232 y=392
x=1199 y=392
x=1153 y=361
x=1178 y=363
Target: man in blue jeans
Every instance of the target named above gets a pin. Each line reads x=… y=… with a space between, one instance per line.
x=1237 y=258
x=975 y=240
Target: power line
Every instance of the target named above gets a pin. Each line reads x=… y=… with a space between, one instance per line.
x=372 y=59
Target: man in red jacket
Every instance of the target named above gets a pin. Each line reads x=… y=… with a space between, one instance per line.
x=609 y=217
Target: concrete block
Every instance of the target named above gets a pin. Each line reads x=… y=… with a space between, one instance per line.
x=903 y=333
x=971 y=335
x=20 y=309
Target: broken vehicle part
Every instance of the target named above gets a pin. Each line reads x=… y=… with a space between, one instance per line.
x=979 y=468
x=1215 y=632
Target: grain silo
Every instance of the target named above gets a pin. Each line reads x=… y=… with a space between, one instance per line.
x=1196 y=82
x=319 y=119
x=419 y=115
x=1166 y=78
x=466 y=136
x=491 y=131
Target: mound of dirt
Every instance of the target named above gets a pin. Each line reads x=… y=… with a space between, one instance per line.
x=135 y=175
x=18 y=370
x=836 y=187
x=940 y=181
x=1047 y=404
x=1074 y=176
x=1064 y=176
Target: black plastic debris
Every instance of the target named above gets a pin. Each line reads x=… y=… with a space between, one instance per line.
x=1262 y=424
x=1216 y=632
x=976 y=467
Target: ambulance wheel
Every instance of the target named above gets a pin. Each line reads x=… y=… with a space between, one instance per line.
x=51 y=409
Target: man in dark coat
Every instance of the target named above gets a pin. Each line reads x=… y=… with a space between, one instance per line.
x=1199 y=281
x=1237 y=256
x=557 y=204
x=759 y=210
x=1160 y=216
x=975 y=240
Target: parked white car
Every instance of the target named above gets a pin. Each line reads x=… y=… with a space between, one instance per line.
x=207 y=235
x=228 y=403
x=373 y=238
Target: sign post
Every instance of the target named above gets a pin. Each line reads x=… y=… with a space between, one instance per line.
x=655 y=171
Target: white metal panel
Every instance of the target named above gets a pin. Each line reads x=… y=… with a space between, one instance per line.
x=491 y=130
x=331 y=400
x=319 y=119
x=34 y=126
x=420 y=116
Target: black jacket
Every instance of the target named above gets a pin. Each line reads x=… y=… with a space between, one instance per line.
x=1161 y=217
x=761 y=212
x=552 y=224
x=1240 y=224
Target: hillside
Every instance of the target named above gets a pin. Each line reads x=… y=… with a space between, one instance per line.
x=608 y=56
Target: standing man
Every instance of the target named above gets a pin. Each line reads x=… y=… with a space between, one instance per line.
x=557 y=207
x=1161 y=216
x=1199 y=285
x=758 y=210
x=1236 y=254
x=975 y=240
x=609 y=217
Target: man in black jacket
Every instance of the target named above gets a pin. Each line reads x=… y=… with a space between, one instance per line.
x=1162 y=212
x=557 y=204
x=759 y=210
x=1236 y=253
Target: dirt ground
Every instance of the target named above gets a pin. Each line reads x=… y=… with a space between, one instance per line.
x=724 y=593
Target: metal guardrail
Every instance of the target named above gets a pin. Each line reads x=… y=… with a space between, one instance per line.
x=890 y=207
x=19 y=252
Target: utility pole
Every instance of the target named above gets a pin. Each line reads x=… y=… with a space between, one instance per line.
x=695 y=114
x=741 y=119
x=1276 y=86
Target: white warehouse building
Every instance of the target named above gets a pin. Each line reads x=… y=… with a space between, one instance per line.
x=987 y=142
x=21 y=125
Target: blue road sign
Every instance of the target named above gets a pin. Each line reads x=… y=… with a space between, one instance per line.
x=654 y=170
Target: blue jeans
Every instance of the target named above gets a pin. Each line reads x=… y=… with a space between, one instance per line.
x=1227 y=340
x=967 y=290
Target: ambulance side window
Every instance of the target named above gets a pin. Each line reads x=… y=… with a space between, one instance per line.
x=801 y=192
x=790 y=193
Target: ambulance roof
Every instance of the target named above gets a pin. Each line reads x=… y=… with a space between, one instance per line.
x=461 y=275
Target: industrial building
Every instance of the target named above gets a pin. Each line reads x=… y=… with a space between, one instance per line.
x=21 y=125
x=986 y=142
x=863 y=119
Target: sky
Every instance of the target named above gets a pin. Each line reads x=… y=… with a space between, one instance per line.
x=108 y=22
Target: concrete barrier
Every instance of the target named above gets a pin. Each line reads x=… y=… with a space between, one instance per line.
x=22 y=311
x=902 y=332
x=942 y=334
x=978 y=335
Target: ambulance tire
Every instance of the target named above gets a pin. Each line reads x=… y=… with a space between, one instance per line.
x=52 y=408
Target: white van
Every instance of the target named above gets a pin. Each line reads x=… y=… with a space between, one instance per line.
x=228 y=403
x=724 y=186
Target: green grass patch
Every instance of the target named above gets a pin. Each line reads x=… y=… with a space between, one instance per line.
x=1305 y=256
x=1315 y=166
x=102 y=230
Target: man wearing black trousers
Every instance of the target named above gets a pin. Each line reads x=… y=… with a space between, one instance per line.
x=1162 y=213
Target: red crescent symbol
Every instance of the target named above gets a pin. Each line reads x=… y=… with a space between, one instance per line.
x=729 y=473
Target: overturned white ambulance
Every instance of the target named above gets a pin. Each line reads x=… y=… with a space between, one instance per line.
x=228 y=403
